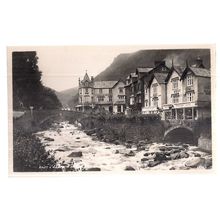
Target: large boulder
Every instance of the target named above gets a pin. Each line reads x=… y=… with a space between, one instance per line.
x=153 y=163
x=159 y=156
x=195 y=162
x=129 y=168
x=76 y=154
x=117 y=142
x=130 y=154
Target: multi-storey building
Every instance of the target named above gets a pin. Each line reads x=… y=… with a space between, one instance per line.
x=105 y=95
x=179 y=92
x=155 y=88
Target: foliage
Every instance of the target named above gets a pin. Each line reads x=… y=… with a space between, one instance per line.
x=28 y=89
x=29 y=155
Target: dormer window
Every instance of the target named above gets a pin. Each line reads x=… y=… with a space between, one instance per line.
x=189 y=80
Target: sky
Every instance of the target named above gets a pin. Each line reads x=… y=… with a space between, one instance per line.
x=62 y=66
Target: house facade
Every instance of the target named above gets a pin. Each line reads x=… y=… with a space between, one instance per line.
x=179 y=93
x=103 y=95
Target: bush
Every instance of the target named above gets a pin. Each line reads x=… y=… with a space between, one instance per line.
x=29 y=155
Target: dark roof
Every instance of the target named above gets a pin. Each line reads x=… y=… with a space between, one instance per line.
x=104 y=84
x=160 y=77
x=179 y=69
x=86 y=77
x=201 y=72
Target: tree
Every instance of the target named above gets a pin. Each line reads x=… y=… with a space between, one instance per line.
x=27 y=86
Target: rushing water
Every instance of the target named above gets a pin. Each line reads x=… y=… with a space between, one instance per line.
x=65 y=138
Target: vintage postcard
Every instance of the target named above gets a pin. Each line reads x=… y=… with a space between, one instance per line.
x=110 y=108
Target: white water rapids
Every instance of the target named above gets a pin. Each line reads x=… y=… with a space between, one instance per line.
x=65 y=138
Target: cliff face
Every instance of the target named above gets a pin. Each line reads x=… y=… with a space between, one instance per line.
x=124 y=64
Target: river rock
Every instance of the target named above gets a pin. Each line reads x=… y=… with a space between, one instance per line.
x=196 y=154
x=186 y=146
x=48 y=139
x=158 y=156
x=60 y=150
x=77 y=138
x=208 y=163
x=128 y=145
x=183 y=154
x=162 y=148
x=117 y=142
x=93 y=169
x=129 y=168
x=153 y=163
x=117 y=152
x=130 y=154
x=144 y=159
x=141 y=148
x=76 y=154
x=195 y=162
x=108 y=148
x=147 y=154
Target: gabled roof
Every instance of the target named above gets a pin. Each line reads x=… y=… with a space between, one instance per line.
x=160 y=77
x=86 y=77
x=202 y=72
x=178 y=69
x=104 y=84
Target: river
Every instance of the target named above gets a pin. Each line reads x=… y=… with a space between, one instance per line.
x=63 y=139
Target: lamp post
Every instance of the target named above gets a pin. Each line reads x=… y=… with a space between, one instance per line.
x=31 y=108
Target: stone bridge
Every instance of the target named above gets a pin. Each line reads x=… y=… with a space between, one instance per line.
x=181 y=130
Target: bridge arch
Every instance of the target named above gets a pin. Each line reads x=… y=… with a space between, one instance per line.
x=179 y=133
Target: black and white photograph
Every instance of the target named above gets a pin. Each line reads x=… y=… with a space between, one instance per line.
x=110 y=108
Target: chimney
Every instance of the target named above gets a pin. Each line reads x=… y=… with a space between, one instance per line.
x=199 y=63
x=92 y=78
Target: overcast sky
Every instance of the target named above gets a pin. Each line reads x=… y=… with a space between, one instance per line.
x=62 y=66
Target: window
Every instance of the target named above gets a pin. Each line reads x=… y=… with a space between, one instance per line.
x=175 y=84
x=100 y=99
x=179 y=113
x=118 y=108
x=154 y=89
x=110 y=91
x=92 y=91
x=121 y=96
x=188 y=113
x=100 y=91
x=175 y=99
x=132 y=101
x=80 y=91
x=146 y=103
x=86 y=91
x=189 y=97
x=155 y=102
x=189 y=80
x=110 y=98
x=121 y=89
